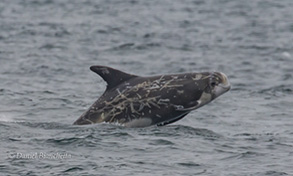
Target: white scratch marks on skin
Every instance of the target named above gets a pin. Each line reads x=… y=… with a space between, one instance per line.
x=139 y=96
x=178 y=107
x=147 y=104
x=89 y=121
x=155 y=105
x=157 y=115
x=206 y=77
x=132 y=108
x=164 y=101
x=133 y=100
x=161 y=78
x=104 y=70
x=166 y=84
x=154 y=86
x=103 y=116
x=197 y=77
x=141 y=106
x=118 y=91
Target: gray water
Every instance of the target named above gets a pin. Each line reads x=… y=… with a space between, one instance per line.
x=47 y=47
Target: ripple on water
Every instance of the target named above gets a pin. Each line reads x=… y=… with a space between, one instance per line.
x=272 y=173
x=277 y=90
x=161 y=142
x=182 y=130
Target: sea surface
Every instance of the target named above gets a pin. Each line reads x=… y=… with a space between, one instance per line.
x=47 y=47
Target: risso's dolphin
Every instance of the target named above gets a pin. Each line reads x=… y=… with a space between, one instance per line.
x=136 y=101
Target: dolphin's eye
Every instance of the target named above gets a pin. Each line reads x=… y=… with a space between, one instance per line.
x=213 y=83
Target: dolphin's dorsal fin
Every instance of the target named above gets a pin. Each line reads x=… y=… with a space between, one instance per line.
x=112 y=76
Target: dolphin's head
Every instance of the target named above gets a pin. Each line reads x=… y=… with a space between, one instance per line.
x=211 y=85
x=207 y=87
x=218 y=84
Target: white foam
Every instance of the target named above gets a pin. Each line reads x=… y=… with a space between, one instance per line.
x=8 y=118
x=287 y=55
x=5 y=118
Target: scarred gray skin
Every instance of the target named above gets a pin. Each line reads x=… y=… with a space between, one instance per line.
x=135 y=101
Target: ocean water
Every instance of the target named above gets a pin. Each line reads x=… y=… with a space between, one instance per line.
x=47 y=47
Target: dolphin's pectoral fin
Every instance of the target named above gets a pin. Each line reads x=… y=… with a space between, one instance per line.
x=172 y=120
x=112 y=76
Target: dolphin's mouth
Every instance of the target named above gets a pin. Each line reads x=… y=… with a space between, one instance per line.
x=225 y=86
